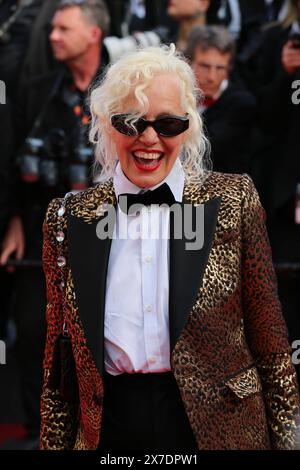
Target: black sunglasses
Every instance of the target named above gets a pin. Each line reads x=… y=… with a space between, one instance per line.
x=166 y=126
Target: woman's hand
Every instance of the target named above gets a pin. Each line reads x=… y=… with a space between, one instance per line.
x=14 y=241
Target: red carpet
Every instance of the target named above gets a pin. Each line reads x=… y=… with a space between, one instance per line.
x=11 y=431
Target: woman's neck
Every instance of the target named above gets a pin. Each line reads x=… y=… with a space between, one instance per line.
x=185 y=28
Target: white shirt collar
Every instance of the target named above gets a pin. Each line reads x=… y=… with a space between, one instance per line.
x=224 y=85
x=175 y=180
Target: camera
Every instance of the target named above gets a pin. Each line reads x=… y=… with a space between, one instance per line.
x=29 y=162
x=57 y=160
x=54 y=152
x=117 y=47
x=78 y=170
x=42 y=156
x=80 y=161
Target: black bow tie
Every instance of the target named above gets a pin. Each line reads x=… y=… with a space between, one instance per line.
x=160 y=195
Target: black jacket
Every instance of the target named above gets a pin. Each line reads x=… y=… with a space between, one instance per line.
x=229 y=123
x=279 y=116
x=280 y=122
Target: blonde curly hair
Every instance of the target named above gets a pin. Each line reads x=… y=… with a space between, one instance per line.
x=131 y=75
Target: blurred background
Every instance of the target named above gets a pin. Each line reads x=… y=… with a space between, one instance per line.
x=246 y=58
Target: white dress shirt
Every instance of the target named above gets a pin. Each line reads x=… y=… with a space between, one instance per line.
x=136 y=324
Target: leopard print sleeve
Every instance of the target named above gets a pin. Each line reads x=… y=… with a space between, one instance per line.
x=57 y=416
x=265 y=327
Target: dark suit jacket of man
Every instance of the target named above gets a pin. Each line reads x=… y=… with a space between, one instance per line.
x=229 y=350
x=229 y=122
x=279 y=119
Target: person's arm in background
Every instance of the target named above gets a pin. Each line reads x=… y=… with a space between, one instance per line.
x=265 y=328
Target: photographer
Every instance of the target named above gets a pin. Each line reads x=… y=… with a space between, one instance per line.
x=54 y=159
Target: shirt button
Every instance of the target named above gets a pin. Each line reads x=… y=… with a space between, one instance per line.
x=149 y=308
x=152 y=360
x=148 y=259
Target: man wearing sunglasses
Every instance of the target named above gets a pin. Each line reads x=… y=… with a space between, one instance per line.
x=176 y=347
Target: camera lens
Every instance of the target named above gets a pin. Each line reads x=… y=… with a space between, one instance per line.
x=30 y=160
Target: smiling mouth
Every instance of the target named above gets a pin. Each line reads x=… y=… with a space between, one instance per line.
x=149 y=160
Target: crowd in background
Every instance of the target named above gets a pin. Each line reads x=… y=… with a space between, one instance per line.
x=246 y=59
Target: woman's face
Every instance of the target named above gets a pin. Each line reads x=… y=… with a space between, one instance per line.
x=148 y=158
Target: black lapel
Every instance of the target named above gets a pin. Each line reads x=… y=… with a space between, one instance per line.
x=187 y=267
x=89 y=257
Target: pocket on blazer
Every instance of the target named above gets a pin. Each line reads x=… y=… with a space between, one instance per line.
x=245 y=383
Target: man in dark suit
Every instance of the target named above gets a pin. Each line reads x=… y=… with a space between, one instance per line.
x=228 y=110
